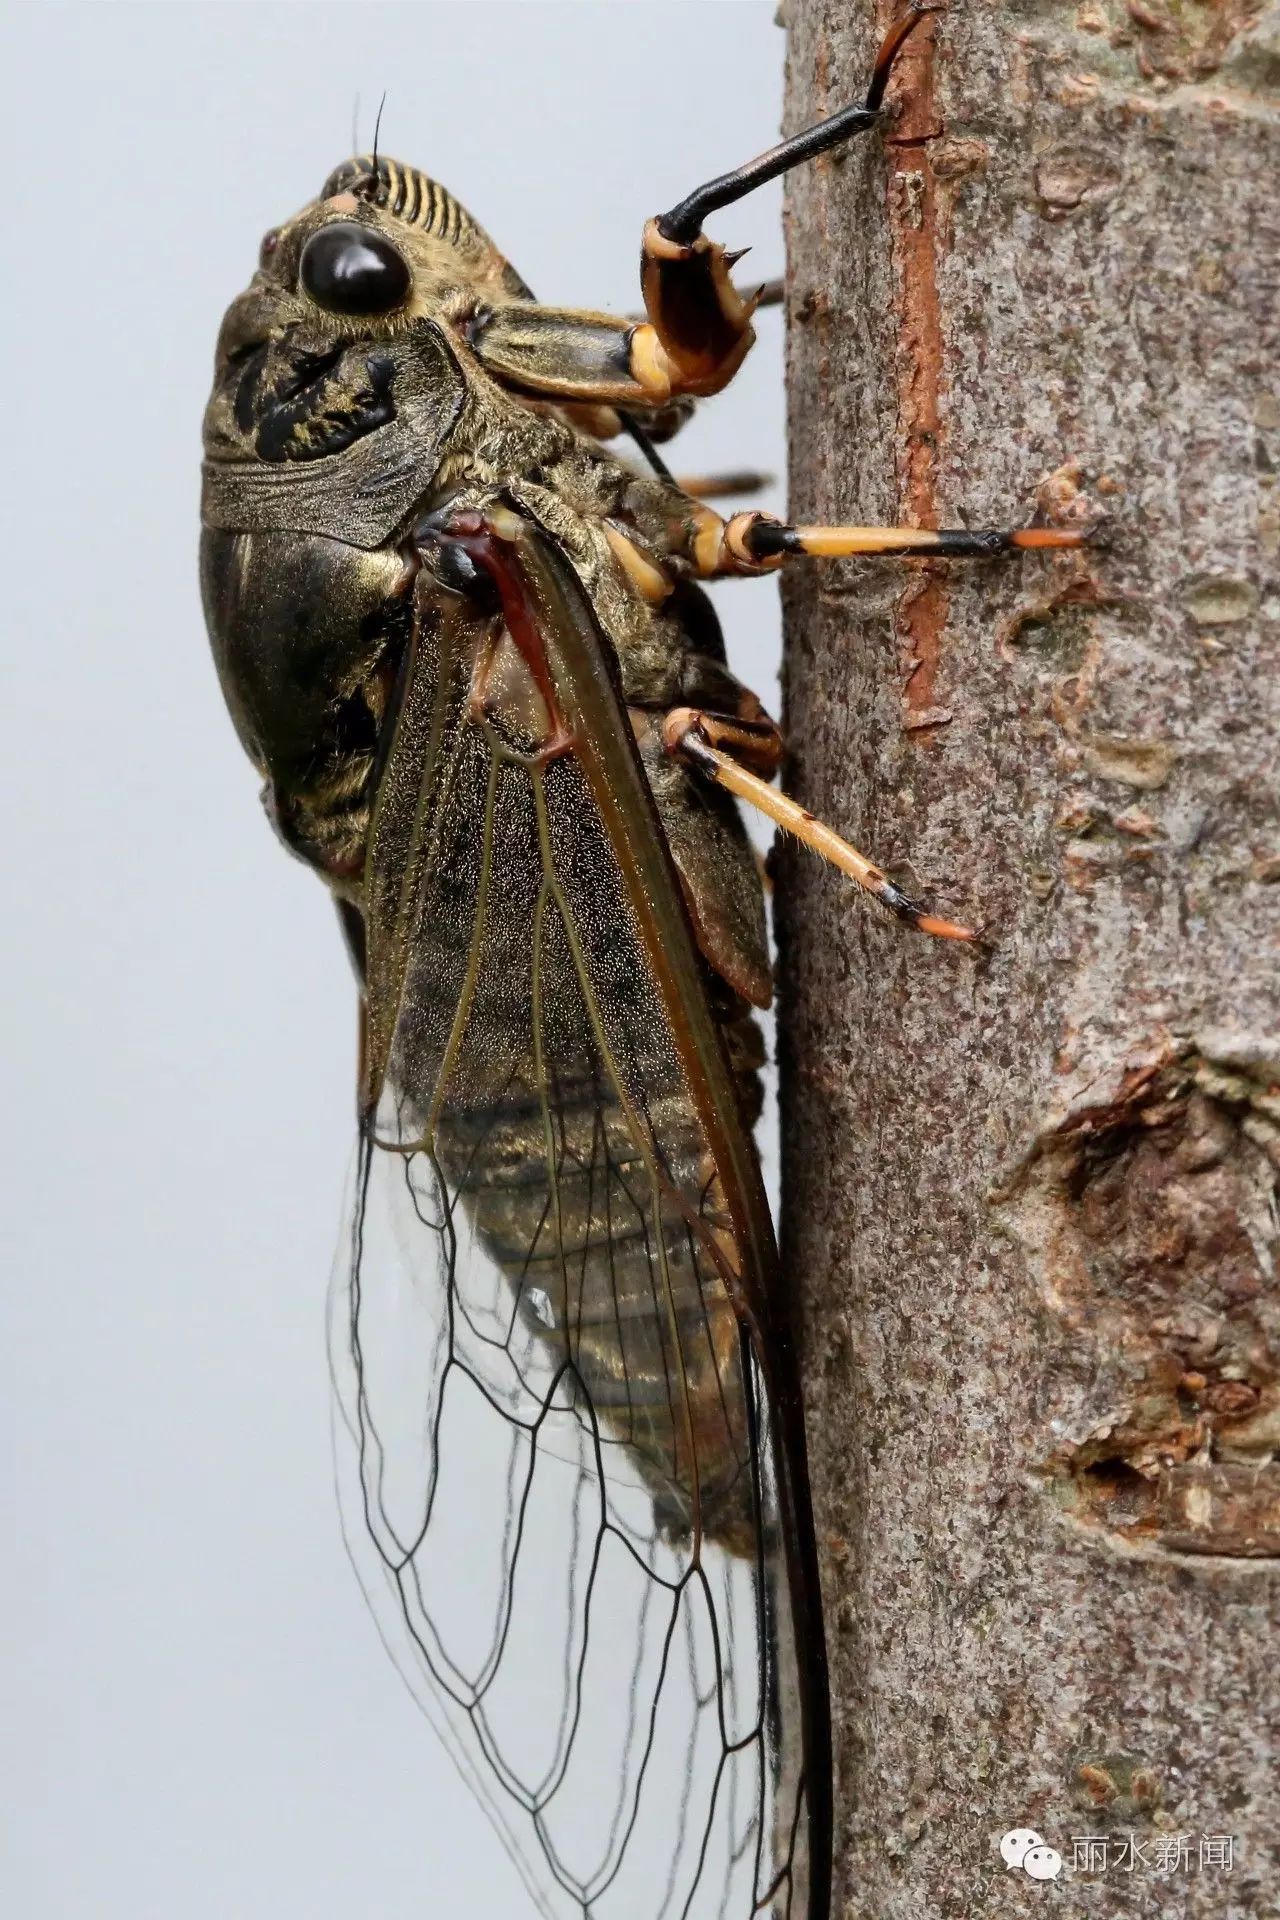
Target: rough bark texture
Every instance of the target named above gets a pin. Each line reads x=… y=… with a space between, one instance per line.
x=1029 y=1197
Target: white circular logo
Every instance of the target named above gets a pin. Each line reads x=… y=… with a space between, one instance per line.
x=1042 y=1863
x=1017 y=1843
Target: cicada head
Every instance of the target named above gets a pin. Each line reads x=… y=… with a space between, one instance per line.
x=380 y=248
x=310 y=356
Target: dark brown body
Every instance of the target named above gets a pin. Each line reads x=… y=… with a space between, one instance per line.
x=449 y=626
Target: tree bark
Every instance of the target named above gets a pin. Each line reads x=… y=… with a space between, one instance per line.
x=1029 y=1194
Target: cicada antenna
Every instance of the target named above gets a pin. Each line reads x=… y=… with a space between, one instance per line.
x=377 y=128
x=365 y=185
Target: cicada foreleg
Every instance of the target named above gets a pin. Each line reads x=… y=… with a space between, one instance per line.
x=699 y=323
x=742 y=756
x=697 y=327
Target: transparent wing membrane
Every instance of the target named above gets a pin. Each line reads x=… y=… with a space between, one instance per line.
x=557 y=1457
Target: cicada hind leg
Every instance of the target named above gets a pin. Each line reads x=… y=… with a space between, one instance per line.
x=742 y=756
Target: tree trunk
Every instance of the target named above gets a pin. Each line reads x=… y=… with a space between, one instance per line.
x=1029 y=1193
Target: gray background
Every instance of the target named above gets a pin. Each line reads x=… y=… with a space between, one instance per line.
x=206 y=1726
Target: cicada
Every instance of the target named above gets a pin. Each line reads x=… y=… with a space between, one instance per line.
x=466 y=647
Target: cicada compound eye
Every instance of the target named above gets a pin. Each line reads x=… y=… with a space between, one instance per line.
x=348 y=268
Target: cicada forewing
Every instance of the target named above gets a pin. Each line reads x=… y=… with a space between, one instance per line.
x=569 y=1443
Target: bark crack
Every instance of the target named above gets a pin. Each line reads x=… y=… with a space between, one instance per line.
x=921 y=614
